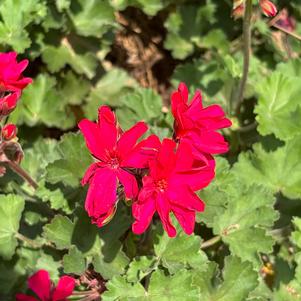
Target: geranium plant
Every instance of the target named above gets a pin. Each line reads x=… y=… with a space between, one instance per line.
x=150 y=150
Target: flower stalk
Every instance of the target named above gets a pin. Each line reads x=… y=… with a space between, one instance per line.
x=247 y=50
x=22 y=173
x=210 y=242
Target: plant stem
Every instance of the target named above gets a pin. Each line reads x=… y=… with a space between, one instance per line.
x=246 y=50
x=22 y=173
x=294 y=35
x=248 y=127
x=208 y=243
x=30 y=242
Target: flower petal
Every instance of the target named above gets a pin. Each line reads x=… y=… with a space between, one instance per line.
x=22 y=297
x=186 y=218
x=94 y=140
x=108 y=127
x=129 y=138
x=166 y=156
x=212 y=143
x=143 y=213
x=40 y=284
x=163 y=208
x=89 y=173
x=102 y=195
x=185 y=198
x=144 y=151
x=129 y=183
x=64 y=288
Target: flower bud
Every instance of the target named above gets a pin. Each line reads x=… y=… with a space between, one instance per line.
x=9 y=131
x=238 y=12
x=8 y=103
x=268 y=8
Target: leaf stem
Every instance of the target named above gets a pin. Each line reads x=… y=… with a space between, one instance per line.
x=22 y=173
x=33 y=244
x=246 y=50
x=208 y=243
x=248 y=127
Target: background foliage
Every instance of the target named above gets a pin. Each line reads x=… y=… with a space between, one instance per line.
x=130 y=54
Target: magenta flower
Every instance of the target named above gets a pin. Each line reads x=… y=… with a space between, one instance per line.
x=116 y=153
x=198 y=125
x=12 y=81
x=44 y=289
x=170 y=186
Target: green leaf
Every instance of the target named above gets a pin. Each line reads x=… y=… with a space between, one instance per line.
x=185 y=27
x=180 y=252
x=48 y=263
x=149 y=7
x=140 y=267
x=57 y=57
x=164 y=288
x=278 y=110
x=296 y=235
x=109 y=90
x=74 y=88
x=16 y=15
x=215 y=195
x=74 y=160
x=62 y=4
x=55 y=197
x=207 y=76
x=143 y=104
x=161 y=288
x=239 y=280
x=119 y=289
x=278 y=170
x=59 y=232
x=245 y=222
x=37 y=157
x=39 y=104
x=92 y=17
x=74 y=262
x=112 y=262
x=11 y=207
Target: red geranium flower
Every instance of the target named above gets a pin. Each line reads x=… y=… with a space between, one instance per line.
x=44 y=289
x=11 y=81
x=170 y=186
x=116 y=153
x=198 y=125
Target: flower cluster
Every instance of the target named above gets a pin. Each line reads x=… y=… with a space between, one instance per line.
x=12 y=84
x=157 y=176
x=12 y=81
x=268 y=8
x=45 y=290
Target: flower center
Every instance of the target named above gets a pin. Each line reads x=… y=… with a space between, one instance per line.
x=113 y=159
x=114 y=163
x=161 y=184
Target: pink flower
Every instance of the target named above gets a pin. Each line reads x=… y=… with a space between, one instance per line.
x=116 y=153
x=169 y=187
x=268 y=8
x=12 y=81
x=44 y=289
x=198 y=125
x=9 y=131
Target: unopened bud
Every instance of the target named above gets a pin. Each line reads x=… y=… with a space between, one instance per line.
x=268 y=8
x=9 y=131
x=238 y=12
